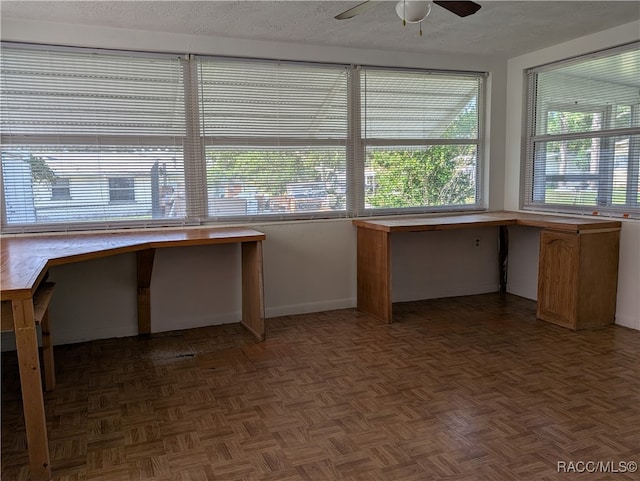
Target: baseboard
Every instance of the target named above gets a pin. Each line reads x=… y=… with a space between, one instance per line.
x=94 y=333
x=308 y=307
x=627 y=321
x=447 y=291
x=76 y=336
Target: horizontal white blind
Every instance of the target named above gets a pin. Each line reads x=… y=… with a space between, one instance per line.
x=583 y=150
x=96 y=139
x=275 y=137
x=421 y=132
x=419 y=105
x=91 y=137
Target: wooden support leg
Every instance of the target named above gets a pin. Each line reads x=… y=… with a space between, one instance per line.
x=503 y=257
x=144 y=261
x=374 y=274
x=252 y=289
x=47 y=353
x=30 y=383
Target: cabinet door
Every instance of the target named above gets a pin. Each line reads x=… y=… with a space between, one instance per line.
x=558 y=277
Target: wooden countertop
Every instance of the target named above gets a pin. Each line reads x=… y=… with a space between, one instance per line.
x=487 y=219
x=25 y=259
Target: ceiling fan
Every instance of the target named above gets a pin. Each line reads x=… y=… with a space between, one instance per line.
x=414 y=11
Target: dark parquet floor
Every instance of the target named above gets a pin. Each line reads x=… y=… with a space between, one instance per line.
x=470 y=388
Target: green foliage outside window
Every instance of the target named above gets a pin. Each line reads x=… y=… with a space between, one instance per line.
x=270 y=171
x=434 y=176
x=40 y=171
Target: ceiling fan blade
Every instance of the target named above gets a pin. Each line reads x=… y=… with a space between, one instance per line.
x=461 y=9
x=358 y=9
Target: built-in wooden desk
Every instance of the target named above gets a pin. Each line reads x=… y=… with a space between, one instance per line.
x=578 y=266
x=26 y=260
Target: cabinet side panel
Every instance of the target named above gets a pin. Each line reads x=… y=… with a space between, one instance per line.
x=252 y=289
x=374 y=273
x=598 y=279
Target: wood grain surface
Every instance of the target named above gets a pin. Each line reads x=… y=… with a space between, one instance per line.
x=25 y=258
x=486 y=219
x=459 y=389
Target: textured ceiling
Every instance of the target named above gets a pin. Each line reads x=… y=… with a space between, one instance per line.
x=505 y=29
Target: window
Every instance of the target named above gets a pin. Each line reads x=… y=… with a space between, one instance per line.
x=96 y=139
x=583 y=151
x=60 y=189
x=111 y=124
x=275 y=137
x=122 y=189
x=421 y=133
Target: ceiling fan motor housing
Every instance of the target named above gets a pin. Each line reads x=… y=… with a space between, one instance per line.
x=413 y=11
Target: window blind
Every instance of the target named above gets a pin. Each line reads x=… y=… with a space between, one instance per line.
x=583 y=150
x=91 y=138
x=95 y=139
x=275 y=137
x=420 y=132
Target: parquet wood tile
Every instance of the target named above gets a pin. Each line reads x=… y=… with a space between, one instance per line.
x=463 y=389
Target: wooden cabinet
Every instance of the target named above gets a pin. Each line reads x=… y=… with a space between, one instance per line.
x=577 y=277
x=578 y=270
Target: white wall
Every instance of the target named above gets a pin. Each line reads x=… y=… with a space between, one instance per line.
x=307 y=267
x=522 y=271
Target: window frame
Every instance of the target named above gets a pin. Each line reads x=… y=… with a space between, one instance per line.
x=534 y=176
x=268 y=141
x=61 y=189
x=479 y=142
x=89 y=141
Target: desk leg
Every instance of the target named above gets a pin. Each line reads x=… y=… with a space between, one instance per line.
x=144 y=261
x=374 y=273
x=503 y=257
x=252 y=289
x=47 y=353
x=31 y=384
